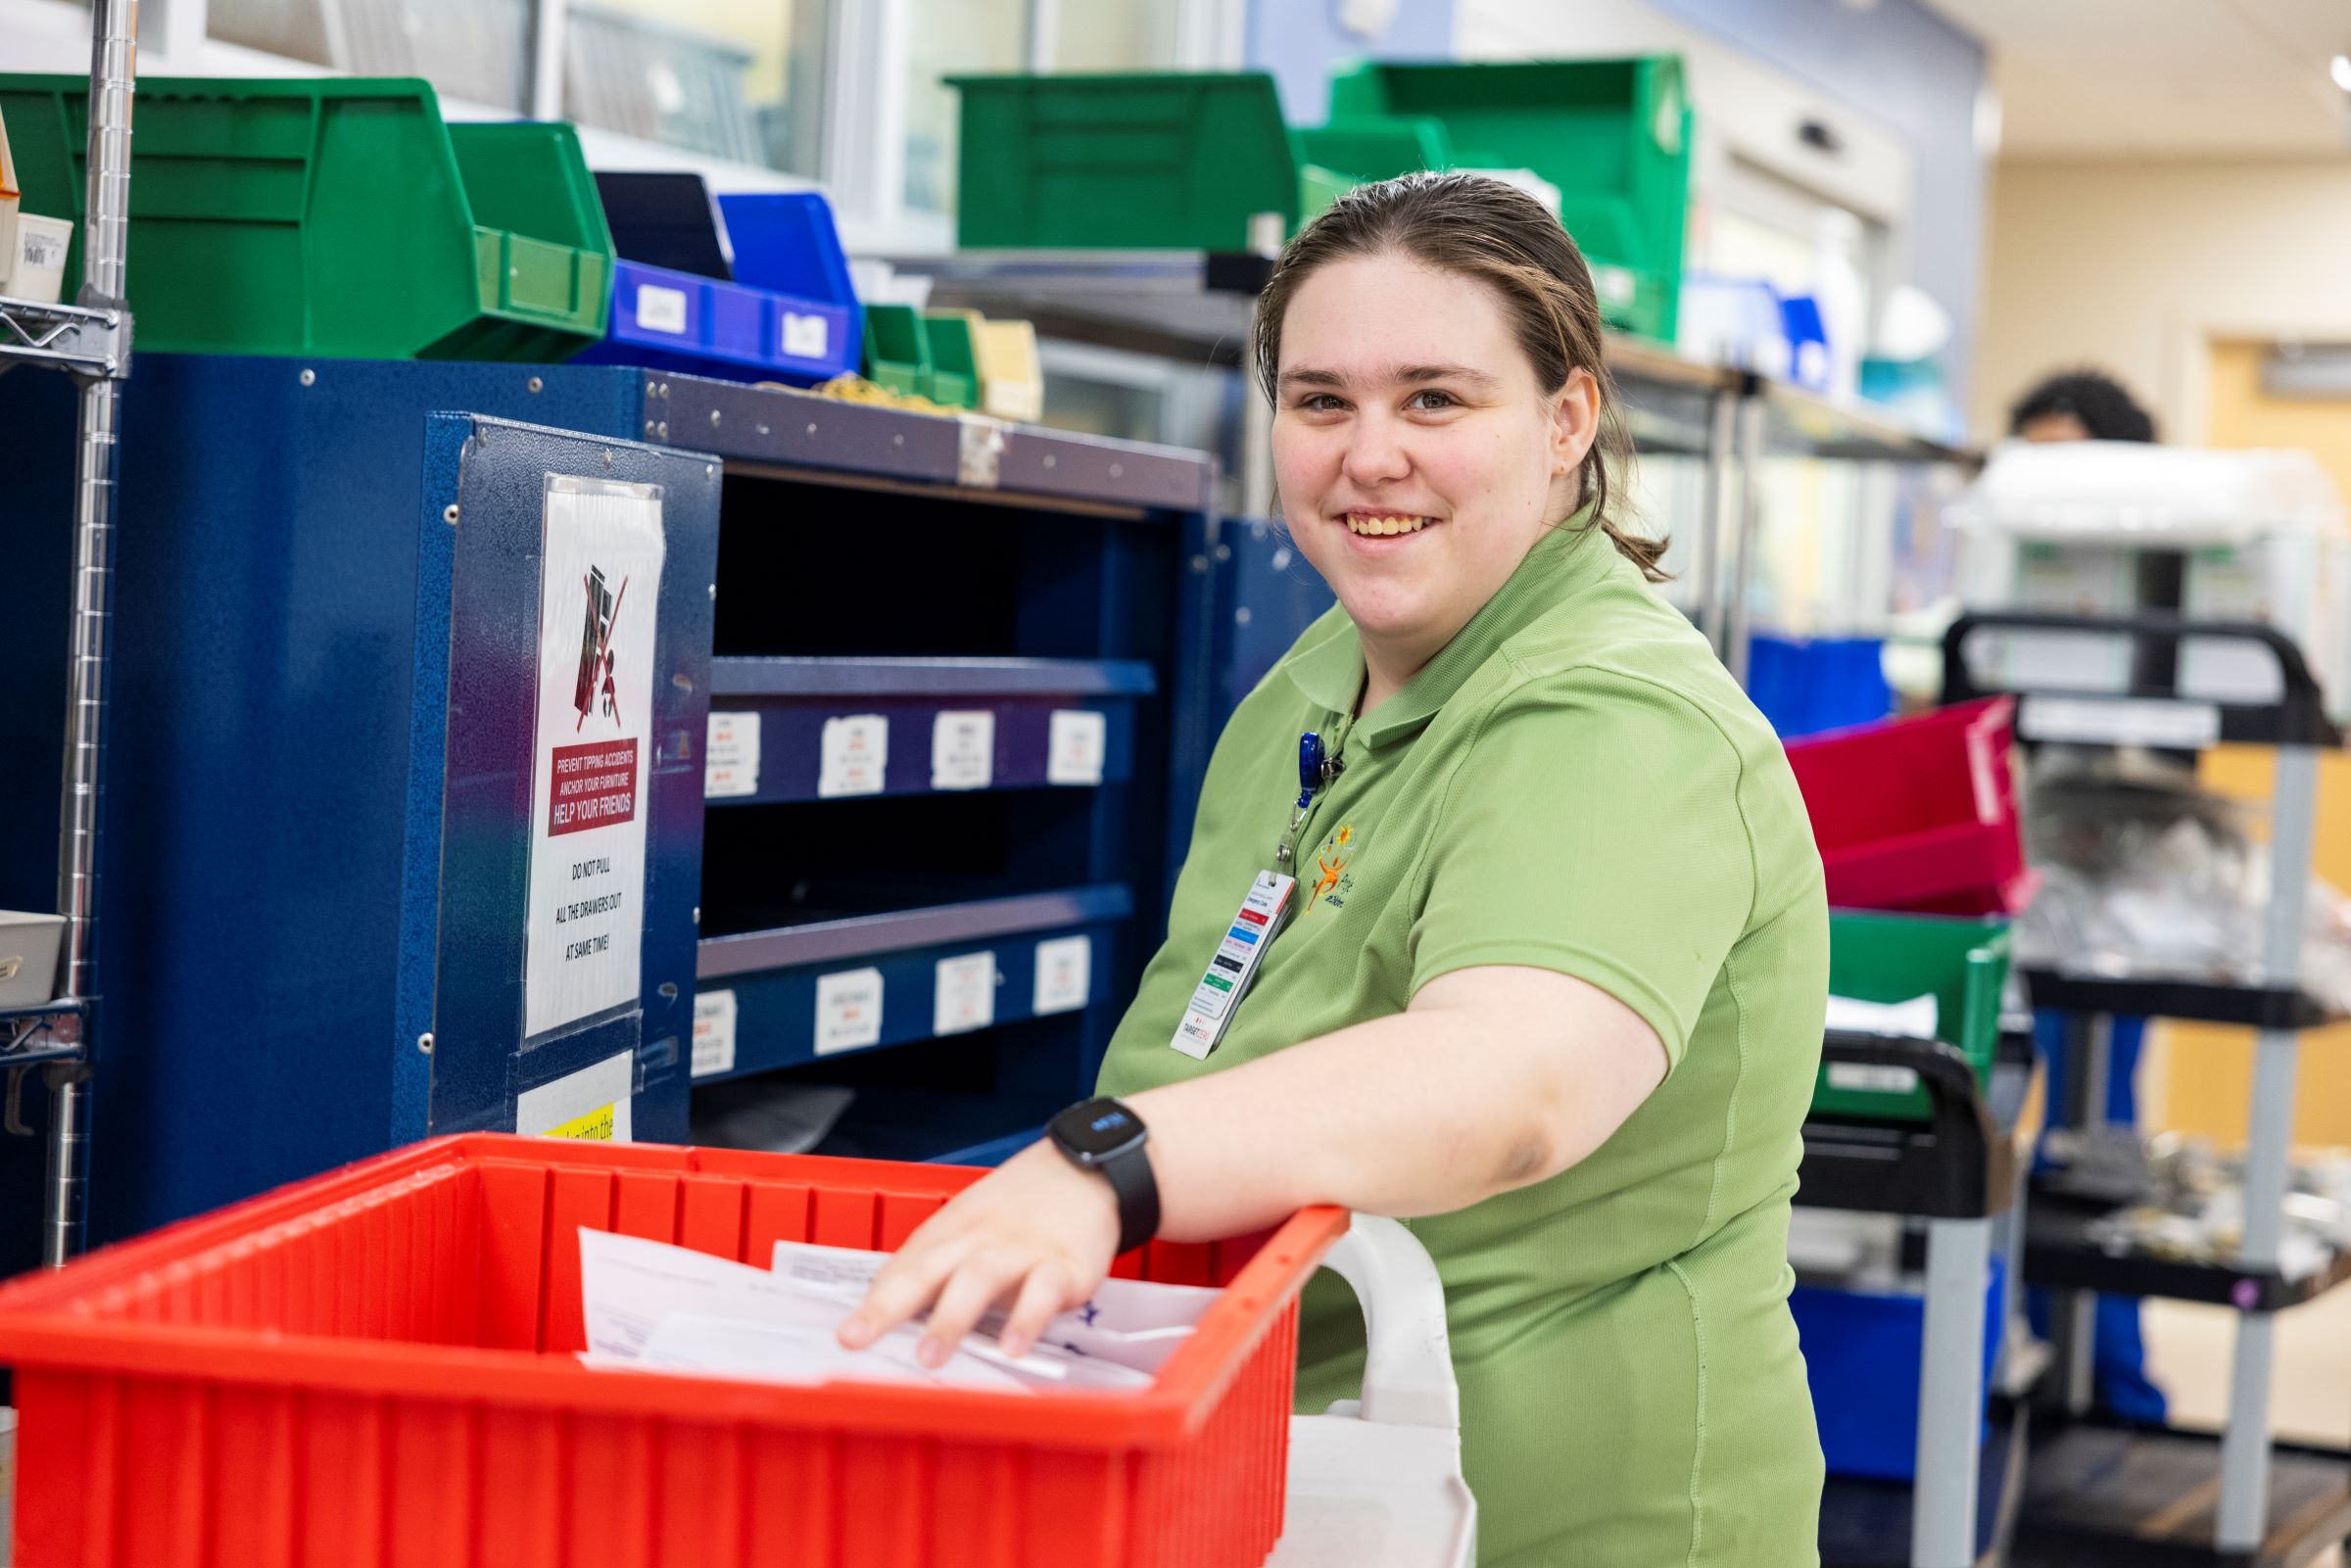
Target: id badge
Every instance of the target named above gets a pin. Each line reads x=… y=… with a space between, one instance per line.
x=1233 y=965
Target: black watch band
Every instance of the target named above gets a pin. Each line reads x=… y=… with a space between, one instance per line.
x=1105 y=1136
x=1138 y=1192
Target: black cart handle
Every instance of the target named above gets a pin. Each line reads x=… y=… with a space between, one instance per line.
x=2297 y=718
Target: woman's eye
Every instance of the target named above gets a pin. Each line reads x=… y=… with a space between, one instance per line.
x=1319 y=403
x=1433 y=397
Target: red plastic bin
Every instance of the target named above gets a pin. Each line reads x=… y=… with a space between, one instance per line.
x=1919 y=814
x=373 y=1369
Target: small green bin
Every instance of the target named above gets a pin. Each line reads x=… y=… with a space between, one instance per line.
x=332 y=217
x=1176 y=160
x=898 y=349
x=954 y=356
x=1893 y=958
x=1614 y=135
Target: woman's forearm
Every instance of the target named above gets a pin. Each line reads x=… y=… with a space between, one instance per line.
x=1501 y=1083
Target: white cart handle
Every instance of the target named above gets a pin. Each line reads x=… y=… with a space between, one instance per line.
x=1407 y=1376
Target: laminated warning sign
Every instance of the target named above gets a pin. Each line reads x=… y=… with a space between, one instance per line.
x=599 y=585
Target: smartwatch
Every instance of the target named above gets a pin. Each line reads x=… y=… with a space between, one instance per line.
x=1103 y=1135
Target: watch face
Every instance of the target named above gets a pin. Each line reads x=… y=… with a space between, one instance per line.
x=1097 y=1128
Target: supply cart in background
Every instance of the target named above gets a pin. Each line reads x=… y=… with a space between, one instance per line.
x=2102 y=1492
x=1918 y=828
x=439 y=1405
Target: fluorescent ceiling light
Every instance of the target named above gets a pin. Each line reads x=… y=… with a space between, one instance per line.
x=2339 y=69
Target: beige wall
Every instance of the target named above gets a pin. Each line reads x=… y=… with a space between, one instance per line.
x=2136 y=265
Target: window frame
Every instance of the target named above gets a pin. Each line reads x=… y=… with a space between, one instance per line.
x=861 y=141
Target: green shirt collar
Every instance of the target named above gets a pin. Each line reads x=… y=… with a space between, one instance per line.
x=1330 y=672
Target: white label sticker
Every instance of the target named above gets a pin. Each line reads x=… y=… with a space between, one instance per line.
x=854 y=755
x=1076 y=746
x=2120 y=721
x=713 y=1032
x=660 y=310
x=806 y=337
x=964 y=994
x=731 y=756
x=848 y=1011
x=37 y=247
x=599 y=586
x=963 y=750
x=1064 y=973
x=592 y=1102
x=1872 y=1076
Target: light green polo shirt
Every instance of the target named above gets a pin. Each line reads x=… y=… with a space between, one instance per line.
x=1573 y=782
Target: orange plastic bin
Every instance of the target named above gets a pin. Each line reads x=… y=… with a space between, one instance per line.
x=373 y=1369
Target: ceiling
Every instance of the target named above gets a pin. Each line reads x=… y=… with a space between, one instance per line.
x=2111 y=78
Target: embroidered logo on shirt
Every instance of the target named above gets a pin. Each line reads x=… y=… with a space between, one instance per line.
x=1331 y=884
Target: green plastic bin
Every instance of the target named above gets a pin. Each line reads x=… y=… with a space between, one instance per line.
x=1893 y=958
x=333 y=218
x=1614 y=135
x=954 y=356
x=1153 y=161
x=1377 y=146
x=898 y=349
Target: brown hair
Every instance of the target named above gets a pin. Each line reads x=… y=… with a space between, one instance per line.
x=1496 y=233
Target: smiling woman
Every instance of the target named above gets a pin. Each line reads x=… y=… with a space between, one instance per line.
x=1502 y=913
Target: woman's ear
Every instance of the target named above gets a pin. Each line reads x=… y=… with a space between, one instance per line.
x=1575 y=422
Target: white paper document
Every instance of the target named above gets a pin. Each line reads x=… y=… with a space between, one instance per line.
x=650 y=1307
x=1915 y=1020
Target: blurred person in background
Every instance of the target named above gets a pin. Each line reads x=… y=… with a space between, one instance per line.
x=2091 y=405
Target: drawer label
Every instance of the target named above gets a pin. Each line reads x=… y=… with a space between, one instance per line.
x=963 y=750
x=713 y=1034
x=1076 y=744
x=965 y=994
x=731 y=757
x=854 y=755
x=848 y=1011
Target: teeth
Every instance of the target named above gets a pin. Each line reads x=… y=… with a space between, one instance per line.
x=1383 y=526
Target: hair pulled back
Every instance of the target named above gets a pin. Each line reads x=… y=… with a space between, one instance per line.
x=1484 y=229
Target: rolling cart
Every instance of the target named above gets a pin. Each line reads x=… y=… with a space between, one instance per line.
x=2102 y=1492
x=1957 y=1171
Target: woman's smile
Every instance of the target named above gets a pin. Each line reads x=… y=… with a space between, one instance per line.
x=1375 y=526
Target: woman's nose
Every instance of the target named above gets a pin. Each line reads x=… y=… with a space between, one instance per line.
x=1375 y=453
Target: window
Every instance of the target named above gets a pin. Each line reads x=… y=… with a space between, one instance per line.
x=478 y=51
x=948 y=38
x=735 y=80
x=1128 y=36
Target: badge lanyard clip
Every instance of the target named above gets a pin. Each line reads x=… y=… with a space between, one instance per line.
x=1316 y=771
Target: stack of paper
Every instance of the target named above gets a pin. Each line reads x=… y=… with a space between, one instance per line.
x=650 y=1307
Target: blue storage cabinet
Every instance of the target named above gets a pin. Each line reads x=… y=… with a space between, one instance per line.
x=953 y=744
x=267 y=877
x=318 y=776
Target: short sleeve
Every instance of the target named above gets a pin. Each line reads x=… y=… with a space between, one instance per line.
x=1592 y=828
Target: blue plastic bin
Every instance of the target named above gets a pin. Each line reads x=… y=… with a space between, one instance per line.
x=1861 y=1357
x=700 y=326
x=1807 y=685
x=791 y=314
x=787 y=241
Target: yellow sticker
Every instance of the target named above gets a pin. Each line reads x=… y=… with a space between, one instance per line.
x=596 y=1124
